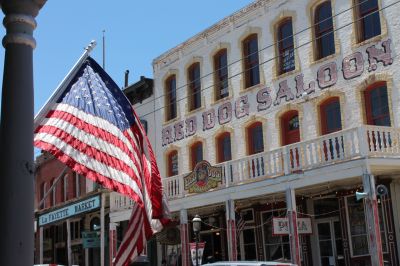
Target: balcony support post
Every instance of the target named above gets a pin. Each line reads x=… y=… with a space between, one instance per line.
x=293 y=232
x=112 y=241
x=184 y=238
x=231 y=229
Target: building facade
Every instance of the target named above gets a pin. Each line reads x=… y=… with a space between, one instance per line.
x=270 y=122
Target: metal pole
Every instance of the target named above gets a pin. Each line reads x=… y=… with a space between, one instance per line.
x=41 y=245
x=69 y=255
x=197 y=249
x=16 y=133
x=103 y=203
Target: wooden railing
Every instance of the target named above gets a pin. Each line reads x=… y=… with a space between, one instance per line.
x=349 y=144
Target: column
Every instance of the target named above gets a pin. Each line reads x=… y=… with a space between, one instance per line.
x=16 y=132
x=69 y=254
x=293 y=233
x=231 y=229
x=184 y=238
x=112 y=241
x=372 y=218
x=41 y=245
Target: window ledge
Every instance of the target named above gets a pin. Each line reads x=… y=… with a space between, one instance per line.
x=370 y=40
x=227 y=98
x=201 y=108
x=326 y=58
x=177 y=118
x=285 y=75
x=246 y=90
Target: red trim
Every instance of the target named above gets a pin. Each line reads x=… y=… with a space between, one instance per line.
x=292 y=136
x=220 y=147
x=368 y=102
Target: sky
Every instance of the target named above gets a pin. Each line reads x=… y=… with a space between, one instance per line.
x=136 y=32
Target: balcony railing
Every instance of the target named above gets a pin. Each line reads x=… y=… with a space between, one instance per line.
x=349 y=144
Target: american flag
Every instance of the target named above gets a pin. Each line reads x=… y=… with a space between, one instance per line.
x=240 y=223
x=93 y=129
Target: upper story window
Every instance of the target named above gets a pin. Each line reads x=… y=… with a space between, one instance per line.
x=330 y=116
x=377 y=105
x=255 y=139
x=250 y=59
x=324 y=35
x=221 y=74
x=170 y=96
x=224 y=147
x=368 y=21
x=196 y=152
x=194 y=86
x=42 y=192
x=172 y=163
x=286 y=46
x=290 y=127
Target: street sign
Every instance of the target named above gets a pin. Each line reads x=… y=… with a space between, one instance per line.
x=91 y=239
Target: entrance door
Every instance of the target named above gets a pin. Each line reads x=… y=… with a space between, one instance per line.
x=213 y=248
x=330 y=242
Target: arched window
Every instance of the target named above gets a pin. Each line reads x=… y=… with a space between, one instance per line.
x=53 y=193
x=196 y=153
x=41 y=194
x=172 y=163
x=221 y=74
x=170 y=96
x=377 y=105
x=330 y=116
x=290 y=127
x=194 y=86
x=224 y=147
x=286 y=46
x=250 y=59
x=255 y=139
x=324 y=35
x=368 y=21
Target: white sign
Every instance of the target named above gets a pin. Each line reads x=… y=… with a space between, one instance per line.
x=281 y=226
x=200 y=251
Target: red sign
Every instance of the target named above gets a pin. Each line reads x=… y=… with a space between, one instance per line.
x=200 y=251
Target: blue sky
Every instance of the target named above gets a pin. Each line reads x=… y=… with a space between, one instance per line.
x=136 y=32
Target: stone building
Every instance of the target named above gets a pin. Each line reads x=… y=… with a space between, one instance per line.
x=268 y=123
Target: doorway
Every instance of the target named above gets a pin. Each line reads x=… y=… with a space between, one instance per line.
x=213 y=248
x=330 y=242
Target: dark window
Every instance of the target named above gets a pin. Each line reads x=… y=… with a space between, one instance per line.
x=194 y=86
x=251 y=65
x=369 y=24
x=290 y=127
x=324 y=35
x=197 y=153
x=376 y=103
x=170 y=96
x=255 y=138
x=221 y=74
x=330 y=116
x=286 y=46
x=172 y=163
x=224 y=147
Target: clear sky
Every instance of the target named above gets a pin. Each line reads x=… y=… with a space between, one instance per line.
x=135 y=32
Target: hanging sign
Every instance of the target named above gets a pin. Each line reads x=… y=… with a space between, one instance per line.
x=203 y=178
x=280 y=226
x=200 y=251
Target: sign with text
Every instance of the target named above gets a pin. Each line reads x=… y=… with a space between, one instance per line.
x=70 y=210
x=200 y=251
x=91 y=239
x=203 y=178
x=280 y=226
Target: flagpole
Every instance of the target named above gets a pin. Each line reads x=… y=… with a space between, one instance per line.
x=60 y=89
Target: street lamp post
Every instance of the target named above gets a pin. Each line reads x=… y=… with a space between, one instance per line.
x=196 y=229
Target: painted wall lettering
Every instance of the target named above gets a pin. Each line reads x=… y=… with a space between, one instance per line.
x=242 y=106
x=191 y=126
x=300 y=86
x=264 y=99
x=327 y=75
x=353 y=65
x=208 y=119
x=284 y=91
x=167 y=136
x=376 y=55
x=179 y=134
x=225 y=113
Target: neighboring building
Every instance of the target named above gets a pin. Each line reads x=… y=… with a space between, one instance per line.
x=70 y=210
x=298 y=101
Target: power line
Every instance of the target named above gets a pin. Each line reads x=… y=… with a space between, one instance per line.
x=262 y=63
x=266 y=47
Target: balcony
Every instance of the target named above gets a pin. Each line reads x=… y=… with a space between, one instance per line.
x=341 y=146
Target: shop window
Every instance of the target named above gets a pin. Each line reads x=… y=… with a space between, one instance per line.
x=170 y=96
x=255 y=139
x=290 y=127
x=368 y=21
x=224 y=147
x=194 y=86
x=286 y=46
x=377 y=105
x=276 y=247
x=330 y=116
x=196 y=153
x=324 y=35
x=251 y=61
x=172 y=163
x=221 y=74
x=75 y=229
x=249 y=244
